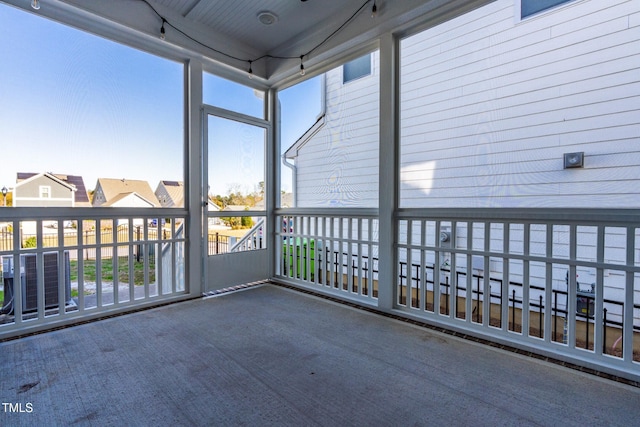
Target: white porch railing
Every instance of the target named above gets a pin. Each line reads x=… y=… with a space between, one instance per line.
x=97 y=261
x=562 y=283
x=254 y=239
x=331 y=250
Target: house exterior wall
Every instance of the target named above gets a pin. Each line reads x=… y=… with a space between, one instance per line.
x=131 y=201
x=338 y=165
x=170 y=194
x=164 y=197
x=99 y=198
x=27 y=193
x=490 y=103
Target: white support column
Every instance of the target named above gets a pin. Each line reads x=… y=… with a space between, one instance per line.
x=194 y=178
x=388 y=169
x=272 y=184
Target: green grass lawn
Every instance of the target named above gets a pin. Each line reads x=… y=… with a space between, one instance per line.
x=107 y=273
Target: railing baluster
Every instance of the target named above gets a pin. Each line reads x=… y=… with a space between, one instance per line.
x=507 y=289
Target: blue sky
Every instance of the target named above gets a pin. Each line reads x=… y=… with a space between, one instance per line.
x=77 y=104
x=229 y=148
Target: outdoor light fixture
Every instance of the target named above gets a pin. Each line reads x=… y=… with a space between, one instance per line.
x=162 y=33
x=574 y=160
x=4 y=195
x=267 y=18
x=35 y=4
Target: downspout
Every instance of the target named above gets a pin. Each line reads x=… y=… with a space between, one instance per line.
x=294 y=179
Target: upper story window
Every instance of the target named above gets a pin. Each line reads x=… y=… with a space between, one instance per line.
x=531 y=7
x=45 y=192
x=357 y=68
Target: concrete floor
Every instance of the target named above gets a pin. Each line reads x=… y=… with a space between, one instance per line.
x=272 y=356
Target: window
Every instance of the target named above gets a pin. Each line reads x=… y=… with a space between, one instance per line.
x=357 y=68
x=530 y=7
x=232 y=96
x=45 y=192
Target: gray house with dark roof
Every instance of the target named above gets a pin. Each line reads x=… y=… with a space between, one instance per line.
x=49 y=189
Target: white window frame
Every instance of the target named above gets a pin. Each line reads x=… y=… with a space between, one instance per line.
x=44 y=191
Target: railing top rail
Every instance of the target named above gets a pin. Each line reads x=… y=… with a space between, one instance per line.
x=64 y=213
x=330 y=212
x=582 y=216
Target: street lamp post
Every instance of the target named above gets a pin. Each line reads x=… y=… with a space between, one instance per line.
x=4 y=196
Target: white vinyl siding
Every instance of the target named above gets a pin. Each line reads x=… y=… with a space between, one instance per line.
x=338 y=165
x=488 y=109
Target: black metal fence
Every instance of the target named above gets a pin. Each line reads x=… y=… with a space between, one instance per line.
x=585 y=303
x=219 y=243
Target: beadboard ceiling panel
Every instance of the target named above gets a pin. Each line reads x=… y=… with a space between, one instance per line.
x=230 y=33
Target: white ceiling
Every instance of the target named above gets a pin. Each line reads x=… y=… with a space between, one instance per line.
x=228 y=32
x=238 y=19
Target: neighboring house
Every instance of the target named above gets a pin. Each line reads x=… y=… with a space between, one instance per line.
x=123 y=193
x=490 y=102
x=170 y=194
x=129 y=200
x=48 y=189
x=286 y=201
x=235 y=208
x=215 y=221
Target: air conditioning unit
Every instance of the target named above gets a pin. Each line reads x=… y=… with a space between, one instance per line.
x=29 y=281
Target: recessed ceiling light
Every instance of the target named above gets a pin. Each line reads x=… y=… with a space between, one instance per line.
x=267 y=18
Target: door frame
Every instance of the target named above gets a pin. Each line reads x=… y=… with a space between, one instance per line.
x=231 y=269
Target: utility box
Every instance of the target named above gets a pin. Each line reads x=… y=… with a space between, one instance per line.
x=27 y=278
x=585 y=301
